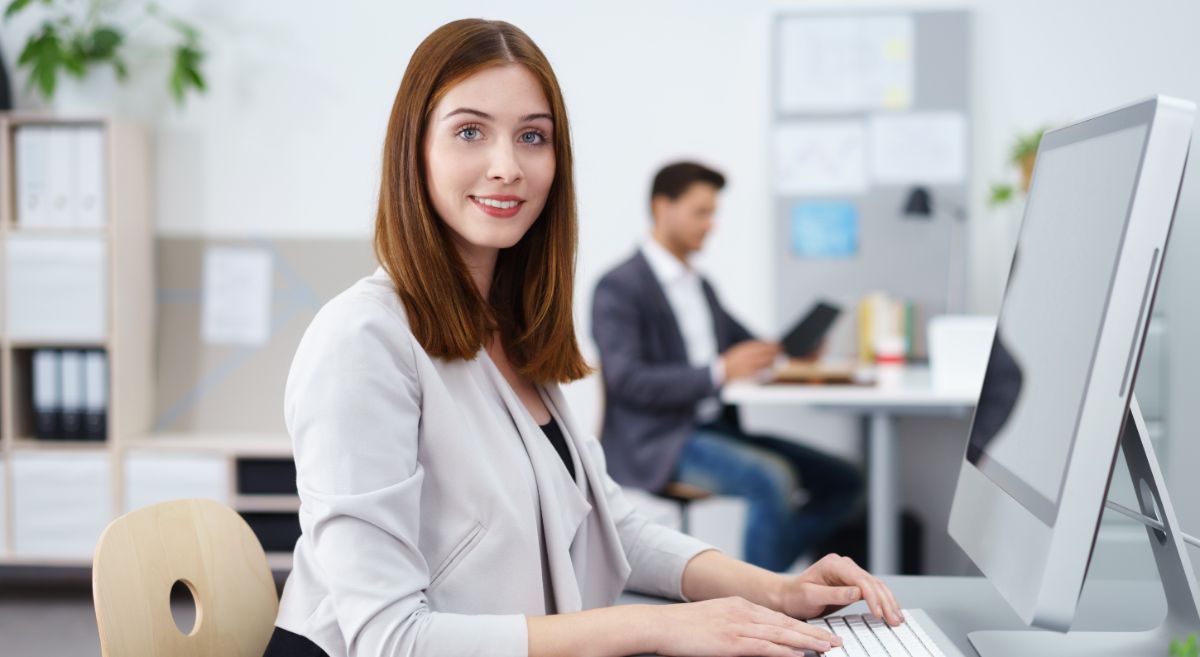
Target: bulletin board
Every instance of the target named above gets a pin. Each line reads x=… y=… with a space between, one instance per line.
x=866 y=106
x=203 y=387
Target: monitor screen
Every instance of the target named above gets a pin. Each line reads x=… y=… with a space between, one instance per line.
x=1030 y=404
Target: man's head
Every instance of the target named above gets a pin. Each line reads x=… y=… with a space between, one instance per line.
x=683 y=201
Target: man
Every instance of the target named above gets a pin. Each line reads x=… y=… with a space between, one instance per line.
x=666 y=348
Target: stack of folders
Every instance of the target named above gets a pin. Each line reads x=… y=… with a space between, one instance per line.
x=70 y=394
x=60 y=176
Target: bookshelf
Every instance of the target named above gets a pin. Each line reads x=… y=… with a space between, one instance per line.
x=56 y=495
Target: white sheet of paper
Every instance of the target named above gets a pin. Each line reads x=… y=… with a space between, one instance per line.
x=918 y=147
x=820 y=158
x=237 y=296
x=846 y=63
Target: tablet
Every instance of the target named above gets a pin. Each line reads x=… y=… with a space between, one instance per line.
x=806 y=336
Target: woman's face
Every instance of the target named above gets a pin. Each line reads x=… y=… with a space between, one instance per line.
x=489 y=159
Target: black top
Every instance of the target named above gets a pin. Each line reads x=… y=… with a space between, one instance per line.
x=555 y=434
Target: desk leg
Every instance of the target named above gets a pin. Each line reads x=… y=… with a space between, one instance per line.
x=883 y=527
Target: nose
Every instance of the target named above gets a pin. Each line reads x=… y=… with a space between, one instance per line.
x=503 y=166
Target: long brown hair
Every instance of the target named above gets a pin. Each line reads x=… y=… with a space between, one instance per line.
x=530 y=298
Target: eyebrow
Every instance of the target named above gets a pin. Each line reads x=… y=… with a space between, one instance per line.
x=489 y=117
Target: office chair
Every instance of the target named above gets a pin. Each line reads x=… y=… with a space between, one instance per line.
x=208 y=547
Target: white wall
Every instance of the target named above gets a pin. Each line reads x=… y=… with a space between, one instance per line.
x=287 y=142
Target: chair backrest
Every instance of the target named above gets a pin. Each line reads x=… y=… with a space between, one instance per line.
x=208 y=546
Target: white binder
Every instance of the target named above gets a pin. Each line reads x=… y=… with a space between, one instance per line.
x=89 y=197
x=30 y=144
x=61 y=176
x=71 y=367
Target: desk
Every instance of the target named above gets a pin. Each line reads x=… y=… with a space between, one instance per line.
x=909 y=392
x=959 y=605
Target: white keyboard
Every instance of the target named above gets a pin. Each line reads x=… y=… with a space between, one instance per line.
x=865 y=635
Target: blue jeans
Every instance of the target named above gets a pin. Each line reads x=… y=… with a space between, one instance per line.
x=782 y=522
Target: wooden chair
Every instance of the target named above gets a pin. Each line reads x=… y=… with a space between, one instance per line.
x=683 y=495
x=208 y=547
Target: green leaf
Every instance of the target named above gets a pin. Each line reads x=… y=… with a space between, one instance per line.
x=1001 y=194
x=15 y=6
x=43 y=55
x=1026 y=144
x=104 y=42
x=1187 y=648
x=186 y=72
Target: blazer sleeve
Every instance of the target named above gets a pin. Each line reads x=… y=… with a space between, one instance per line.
x=353 y=406
x=628 y=377
x=657 y=554
x=737 y=333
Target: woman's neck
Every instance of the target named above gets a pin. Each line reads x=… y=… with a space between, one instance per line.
x=481 y=265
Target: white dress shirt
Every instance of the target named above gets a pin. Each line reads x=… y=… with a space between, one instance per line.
x=685 y=294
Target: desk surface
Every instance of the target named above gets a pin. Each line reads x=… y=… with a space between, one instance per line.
x=960 y=605
x=909 y=386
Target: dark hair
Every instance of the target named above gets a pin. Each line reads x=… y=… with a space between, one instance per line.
x=530 y=297
x=673 y=180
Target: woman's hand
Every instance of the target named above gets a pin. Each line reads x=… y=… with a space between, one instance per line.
x=733 y=626
x=832 y=583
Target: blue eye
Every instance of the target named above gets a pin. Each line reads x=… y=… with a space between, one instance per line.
x=533 y=137
x=469 y=133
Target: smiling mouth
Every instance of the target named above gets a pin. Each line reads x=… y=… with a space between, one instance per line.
x=503 y=207
x=505 y=204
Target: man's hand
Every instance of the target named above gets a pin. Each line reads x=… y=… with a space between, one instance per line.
x=745 y=359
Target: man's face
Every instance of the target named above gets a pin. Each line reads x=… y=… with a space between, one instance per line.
x=686 y=221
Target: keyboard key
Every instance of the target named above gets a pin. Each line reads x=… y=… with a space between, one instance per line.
x=905 y=634
x=850 y=643
x=837 y=650
x=866 y=637
x=883 y=632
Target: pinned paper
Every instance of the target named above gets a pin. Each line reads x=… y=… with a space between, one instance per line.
x=827 y=157
x=846 y=63
x=237 y=296
x=824 y=229
x=918 y=148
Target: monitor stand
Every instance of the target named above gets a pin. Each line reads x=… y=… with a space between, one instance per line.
x=1170 y=555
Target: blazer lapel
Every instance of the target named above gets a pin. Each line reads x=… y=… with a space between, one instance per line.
x=657 y=298
x=597 y=559
x=719 y=332
x=563 y=504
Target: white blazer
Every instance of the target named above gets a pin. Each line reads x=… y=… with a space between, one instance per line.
x=435 y=512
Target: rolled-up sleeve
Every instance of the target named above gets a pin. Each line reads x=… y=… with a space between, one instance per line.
x=657 y=554
x=353 y=408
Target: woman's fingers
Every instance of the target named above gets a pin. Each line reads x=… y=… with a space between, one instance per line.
x=878 y=596
x=823 y=596
x=770 y=617
x=782 y=636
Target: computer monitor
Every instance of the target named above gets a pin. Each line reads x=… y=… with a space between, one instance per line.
x=1056 y=397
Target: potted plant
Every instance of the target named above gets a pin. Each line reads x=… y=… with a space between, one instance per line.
x=1188 y=648
x=1022 y=155
x=74 y=40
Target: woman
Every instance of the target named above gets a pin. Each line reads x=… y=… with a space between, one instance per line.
x=450 y=503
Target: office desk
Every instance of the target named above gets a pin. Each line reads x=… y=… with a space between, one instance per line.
x=909 y=392
x=960 y=605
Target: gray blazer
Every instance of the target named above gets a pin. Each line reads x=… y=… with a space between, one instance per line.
x=435 y=513
x=650 y=389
